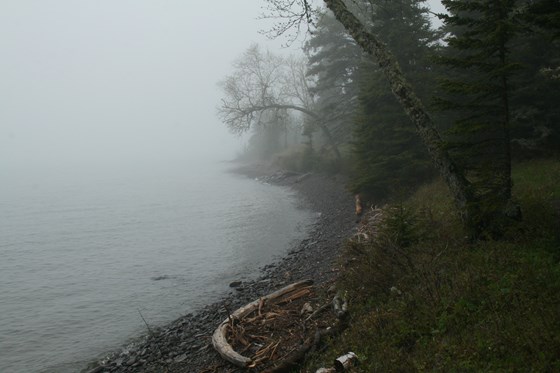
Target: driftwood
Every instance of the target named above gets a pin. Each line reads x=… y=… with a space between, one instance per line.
x=292 y=362
x=219 y=340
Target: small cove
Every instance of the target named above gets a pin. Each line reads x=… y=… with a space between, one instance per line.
x=83 y=250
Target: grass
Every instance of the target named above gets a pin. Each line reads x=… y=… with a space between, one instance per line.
x=424 y=298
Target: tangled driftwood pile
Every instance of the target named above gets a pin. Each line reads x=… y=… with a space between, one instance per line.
x=273 y=333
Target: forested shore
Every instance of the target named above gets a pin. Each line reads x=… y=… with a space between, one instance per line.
x=450 y=139
x=445 y=144
x=384 y=96
x=185 y=344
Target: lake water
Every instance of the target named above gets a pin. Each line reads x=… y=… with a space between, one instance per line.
x=84 y=250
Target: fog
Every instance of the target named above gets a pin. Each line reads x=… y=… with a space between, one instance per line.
x=118 y=80
x=127 y=79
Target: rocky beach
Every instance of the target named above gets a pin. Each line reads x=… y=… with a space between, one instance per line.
x=185 y=344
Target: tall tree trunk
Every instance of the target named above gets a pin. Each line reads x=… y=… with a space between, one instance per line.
x=508 y=208
x=330 y=139
x=458 y=184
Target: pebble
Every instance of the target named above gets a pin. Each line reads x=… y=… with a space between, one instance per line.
x=188 y=339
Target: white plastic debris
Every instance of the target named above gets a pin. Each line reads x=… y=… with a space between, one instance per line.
x=344 y=362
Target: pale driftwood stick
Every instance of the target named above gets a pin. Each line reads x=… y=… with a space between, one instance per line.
x=294 y=295
x=219 y=340
x=147 y=326
x=221 y=345
x=318 y=311
x=248 y=308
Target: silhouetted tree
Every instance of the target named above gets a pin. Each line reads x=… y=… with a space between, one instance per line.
x=264 y=82
x=535 y=112
x=389 y=154
x=334 y=59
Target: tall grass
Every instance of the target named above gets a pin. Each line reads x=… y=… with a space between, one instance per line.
x=434 y=301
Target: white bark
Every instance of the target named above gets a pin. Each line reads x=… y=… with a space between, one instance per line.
x=219 y=340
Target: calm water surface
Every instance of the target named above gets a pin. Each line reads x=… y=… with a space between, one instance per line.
x=82 y=250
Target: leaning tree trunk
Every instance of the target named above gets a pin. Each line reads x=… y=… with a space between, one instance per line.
x=458 y=184
x=330 y=138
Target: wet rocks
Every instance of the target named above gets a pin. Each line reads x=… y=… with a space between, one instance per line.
x=185 y=344
x=280 y=176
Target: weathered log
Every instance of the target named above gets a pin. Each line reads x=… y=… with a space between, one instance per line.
x=288 y=298
x=221 y=345
x=219 y=340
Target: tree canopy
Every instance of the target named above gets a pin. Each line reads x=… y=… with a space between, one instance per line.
x=370 y=74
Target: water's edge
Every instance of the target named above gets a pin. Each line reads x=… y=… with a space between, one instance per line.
x=88 y=253
x=184 y=344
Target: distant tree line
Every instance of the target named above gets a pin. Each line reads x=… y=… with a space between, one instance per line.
x=481 y=91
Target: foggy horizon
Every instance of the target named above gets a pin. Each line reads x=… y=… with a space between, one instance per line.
x=118 y=81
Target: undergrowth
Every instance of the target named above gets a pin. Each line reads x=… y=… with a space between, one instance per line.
x=306 y=159
x=424 y=298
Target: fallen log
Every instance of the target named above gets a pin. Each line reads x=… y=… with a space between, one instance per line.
x=219 y=340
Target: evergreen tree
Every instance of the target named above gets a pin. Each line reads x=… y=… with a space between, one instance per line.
x=389 y=153
x=545 y=15
x=333 y=59
x=469 y=201
x=535 y=110
x=480 y=93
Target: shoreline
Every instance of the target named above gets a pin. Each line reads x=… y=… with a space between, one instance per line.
x=184 y=345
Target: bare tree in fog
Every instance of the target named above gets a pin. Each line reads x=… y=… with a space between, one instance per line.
x=262 y=82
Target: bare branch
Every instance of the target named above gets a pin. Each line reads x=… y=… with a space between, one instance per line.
x=263 y=82
x=293 y=17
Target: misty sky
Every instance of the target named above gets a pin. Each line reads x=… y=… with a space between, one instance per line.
x=118 y=79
